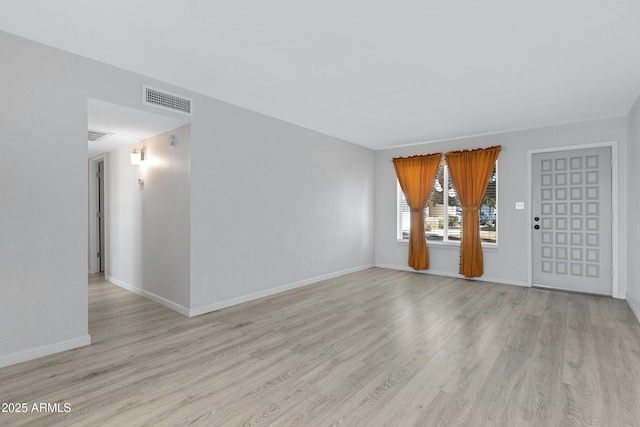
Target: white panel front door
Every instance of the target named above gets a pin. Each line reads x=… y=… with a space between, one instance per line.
x=571 y=217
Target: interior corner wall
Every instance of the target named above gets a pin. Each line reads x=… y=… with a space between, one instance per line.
x=633 y=200
x=274 y=206
x=508 y=263
x=44 y=190
x=147 y=225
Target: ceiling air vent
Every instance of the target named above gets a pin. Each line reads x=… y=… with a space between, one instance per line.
x=166 y=100
x=96 y=135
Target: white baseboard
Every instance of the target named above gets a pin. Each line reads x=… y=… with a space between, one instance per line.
x=45 y=350
x=635 y=306
x=267 y=292
x=449 y=274
x=149 y=295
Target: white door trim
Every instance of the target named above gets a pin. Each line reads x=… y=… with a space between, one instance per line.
x=616 y=292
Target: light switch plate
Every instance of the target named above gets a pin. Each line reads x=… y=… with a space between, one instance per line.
x=519 y=205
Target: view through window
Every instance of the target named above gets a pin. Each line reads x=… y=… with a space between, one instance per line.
x=443 y=214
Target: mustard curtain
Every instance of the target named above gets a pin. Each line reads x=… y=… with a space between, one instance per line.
x=470 y=172
x=416 y=175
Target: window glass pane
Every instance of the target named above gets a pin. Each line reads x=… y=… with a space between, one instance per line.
x=444 y=206
x=405 y=217
x=435 y=213
x=454 y=212
x=489 y=211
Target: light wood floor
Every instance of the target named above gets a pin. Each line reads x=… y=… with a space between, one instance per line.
x=375 y=348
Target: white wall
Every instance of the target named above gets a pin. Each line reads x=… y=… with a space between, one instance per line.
x=43 y=205
x=508 y=263
x=166 y=216
x=309 y=214
x=148 y=225
x=274 y=206
x=123 y=219
x=633 y=200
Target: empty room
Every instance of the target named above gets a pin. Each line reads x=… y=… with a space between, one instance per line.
x=305 y=213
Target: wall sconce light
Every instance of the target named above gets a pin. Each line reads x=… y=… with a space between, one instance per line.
x=137 y=156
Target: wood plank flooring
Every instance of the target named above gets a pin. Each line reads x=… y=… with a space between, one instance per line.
x=374 y=348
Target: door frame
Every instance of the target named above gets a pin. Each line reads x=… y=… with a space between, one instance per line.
x=615 y=236
x=92 y=209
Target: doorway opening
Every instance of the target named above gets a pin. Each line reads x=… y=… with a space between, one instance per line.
x=100 y=215
x=112 y=127
x=97 y=216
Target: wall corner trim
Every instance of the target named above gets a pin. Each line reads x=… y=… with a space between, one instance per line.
x=45 y=350
x=635 y=306
x=267 y=292
x=149 y=295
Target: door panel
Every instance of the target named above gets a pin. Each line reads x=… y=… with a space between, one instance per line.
x=100 y=215
x=571 y=217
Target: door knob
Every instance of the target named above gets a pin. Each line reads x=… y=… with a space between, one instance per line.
x=537 y=227
x=536 y=218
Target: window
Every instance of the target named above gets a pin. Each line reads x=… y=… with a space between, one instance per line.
x=443 y=215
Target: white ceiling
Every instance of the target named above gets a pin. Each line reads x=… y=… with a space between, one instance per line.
x=126 y=126
x=377 y=73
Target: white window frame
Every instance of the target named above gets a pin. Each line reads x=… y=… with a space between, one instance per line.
x=445 y=240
